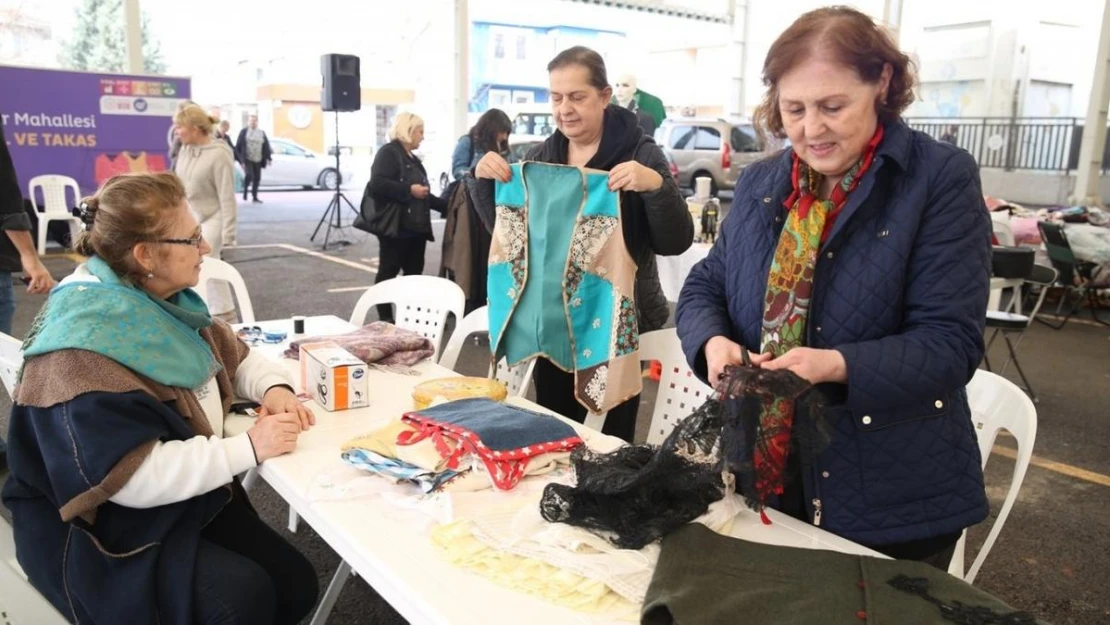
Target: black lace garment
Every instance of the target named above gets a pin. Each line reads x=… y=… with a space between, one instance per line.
x=957 y=611
x=638 y=494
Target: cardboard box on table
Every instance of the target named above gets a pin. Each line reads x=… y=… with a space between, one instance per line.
x=334 y=377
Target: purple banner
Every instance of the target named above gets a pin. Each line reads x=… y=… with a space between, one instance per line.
x=87 y=126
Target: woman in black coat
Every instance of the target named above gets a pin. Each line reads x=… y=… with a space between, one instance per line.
x=655 y=221
x=403 y=201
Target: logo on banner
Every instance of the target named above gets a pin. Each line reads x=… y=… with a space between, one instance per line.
x=132 y=105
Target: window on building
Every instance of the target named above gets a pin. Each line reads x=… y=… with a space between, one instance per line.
x=499 y=46
x=521 y=47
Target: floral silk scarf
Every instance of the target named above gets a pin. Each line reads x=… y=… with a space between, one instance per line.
x=786 y=306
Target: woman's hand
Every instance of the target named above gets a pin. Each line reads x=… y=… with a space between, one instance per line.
x=274 y=435
x=721 y=352
x=813 y=365
x=632 y=176
x=419 y=191
x=41 y=280
x=493 y=166
x=279 y=400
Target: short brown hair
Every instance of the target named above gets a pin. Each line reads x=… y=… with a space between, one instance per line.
x=129 y=209
x=585 y=57
x=853 y=39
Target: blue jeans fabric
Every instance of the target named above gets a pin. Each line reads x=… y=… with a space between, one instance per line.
x=7 y=302
x=7 y=311
x=247 y=573
x=500 y=427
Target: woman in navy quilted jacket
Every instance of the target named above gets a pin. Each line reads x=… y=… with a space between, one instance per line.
x=859 y=259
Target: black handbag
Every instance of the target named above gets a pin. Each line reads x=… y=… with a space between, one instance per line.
x=382 y=219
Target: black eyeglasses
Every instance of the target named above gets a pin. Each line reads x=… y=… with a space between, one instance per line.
x=194 y=240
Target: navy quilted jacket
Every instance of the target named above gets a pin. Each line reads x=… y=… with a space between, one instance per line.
x=900 y=289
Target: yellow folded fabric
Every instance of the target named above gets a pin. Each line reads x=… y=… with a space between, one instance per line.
x=457 y=545
x=450 y=389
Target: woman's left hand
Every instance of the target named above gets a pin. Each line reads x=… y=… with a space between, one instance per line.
x=280 y=399
x=813 y=365
x=632 y=176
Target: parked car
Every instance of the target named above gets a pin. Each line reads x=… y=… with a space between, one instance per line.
x=519 y=145
x=294 y=165
x=717 y=148
x=671 y=164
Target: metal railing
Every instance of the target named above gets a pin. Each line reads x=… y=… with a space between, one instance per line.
x=1030 y=143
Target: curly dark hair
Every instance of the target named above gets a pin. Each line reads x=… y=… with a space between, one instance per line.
x=850 y=37
x=484 y=133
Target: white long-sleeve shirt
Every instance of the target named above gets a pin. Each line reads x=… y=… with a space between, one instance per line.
x=179 y=470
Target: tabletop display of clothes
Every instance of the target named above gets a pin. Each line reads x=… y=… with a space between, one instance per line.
x=703 y=578
x=560 y=282
x=512 y=545
x=638 y=494
x=465 y=445
x=379 y=343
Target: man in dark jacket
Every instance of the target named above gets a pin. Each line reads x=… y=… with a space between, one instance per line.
x=252 y=149
x=17 y=251
x=225 y=126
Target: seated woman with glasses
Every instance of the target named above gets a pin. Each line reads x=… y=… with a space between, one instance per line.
x=123 y=493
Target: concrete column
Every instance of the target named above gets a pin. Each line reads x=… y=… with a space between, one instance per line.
x=461 y=100
x=738 y=14
x=892 y=17
x=1094 y=130
x=134 y=36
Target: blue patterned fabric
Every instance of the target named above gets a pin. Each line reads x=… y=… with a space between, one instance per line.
x=157 y=338
x=398 y=470
x=561 y=281
x=900 y=289
x=539 y=323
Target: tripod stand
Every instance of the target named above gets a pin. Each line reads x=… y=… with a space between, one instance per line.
x=333 y=214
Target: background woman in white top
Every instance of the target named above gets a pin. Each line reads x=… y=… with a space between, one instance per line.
x=206 y=167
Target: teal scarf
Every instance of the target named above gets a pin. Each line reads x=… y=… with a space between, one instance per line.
x=157 y=338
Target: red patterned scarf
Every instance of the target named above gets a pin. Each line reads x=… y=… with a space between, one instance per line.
x=786 y=306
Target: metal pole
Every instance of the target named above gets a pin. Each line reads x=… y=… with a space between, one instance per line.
x=892 y=17
x=462 y=67
x=1094 y=130
x=738 y=13
x=134 y=22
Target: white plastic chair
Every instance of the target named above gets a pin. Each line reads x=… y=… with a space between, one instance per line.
x=20 y=602
x=516 y=379
x=216 y=269
x=680 y=391
x=997 y=404
x=1003 y=232
x=422 y=302
x=11 y=358
x=55 y=206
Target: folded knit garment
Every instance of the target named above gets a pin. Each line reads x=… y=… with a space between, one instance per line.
x=378 y=343
x=704 y=578
x=504 y=439
x=423 y=460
